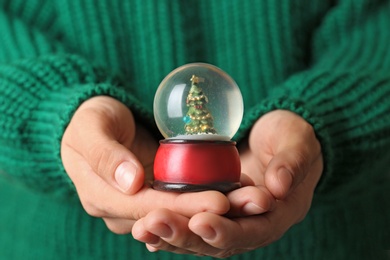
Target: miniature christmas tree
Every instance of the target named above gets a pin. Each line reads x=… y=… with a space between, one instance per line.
x=198 y=118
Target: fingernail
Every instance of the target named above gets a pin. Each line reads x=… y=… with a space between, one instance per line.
x=285 y=178
x=252 y=209
x=125 y=174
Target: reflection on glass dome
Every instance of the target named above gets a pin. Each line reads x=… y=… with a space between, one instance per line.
x=198 y=101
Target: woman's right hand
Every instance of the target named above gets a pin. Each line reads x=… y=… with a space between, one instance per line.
x=110 y=159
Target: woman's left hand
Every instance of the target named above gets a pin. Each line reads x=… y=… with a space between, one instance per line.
x=282 y=162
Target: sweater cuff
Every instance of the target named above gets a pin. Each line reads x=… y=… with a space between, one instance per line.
x=54 y=114
x=299 y=108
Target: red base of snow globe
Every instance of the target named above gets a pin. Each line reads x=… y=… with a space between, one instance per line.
x=192 y=165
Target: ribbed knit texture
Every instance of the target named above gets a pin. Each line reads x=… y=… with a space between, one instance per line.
x=328 y=61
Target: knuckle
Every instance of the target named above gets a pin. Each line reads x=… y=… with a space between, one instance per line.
x=300 y=162
x=91 y=209
x=91 y=206
x=186 y=243
x=117 y=227
x=132 y=212
x=116 y=230
x=299 y=166
x=224 y=244
x=102 y=158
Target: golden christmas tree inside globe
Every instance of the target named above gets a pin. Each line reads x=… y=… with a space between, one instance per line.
x=198 y=101
x=198 y=108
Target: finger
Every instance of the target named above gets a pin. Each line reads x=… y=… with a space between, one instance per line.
x=119 y=226
x=250 y=165
x=153 y=242
x=173 y=231
x=287 y=145
x=99 y=131
x=250 y=200
x=100 y=199
x=227 y=234
x=245 y=180
x=286 y=170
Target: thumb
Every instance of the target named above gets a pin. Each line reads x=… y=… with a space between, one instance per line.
x=100 y=131
x=285 y=171
x=117 y=165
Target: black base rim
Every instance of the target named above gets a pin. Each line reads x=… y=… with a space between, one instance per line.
x=223 y=187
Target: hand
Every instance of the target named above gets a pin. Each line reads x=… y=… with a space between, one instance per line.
x=284 y=157
x=109 y=159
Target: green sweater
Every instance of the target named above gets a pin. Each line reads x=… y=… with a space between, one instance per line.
x=326 y=60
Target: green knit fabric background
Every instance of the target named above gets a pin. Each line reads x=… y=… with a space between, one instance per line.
x=328 y=61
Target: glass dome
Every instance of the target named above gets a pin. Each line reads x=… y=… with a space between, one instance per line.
x=198 y=101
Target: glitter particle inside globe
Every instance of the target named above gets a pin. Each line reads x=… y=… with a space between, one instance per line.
x=198 y=101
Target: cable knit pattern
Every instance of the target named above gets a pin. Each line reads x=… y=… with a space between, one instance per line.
x=328 y=61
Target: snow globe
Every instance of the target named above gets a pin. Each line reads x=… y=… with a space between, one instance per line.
x=198 y=108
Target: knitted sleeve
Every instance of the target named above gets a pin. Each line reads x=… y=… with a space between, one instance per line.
x=38 y=95
x=344 y=94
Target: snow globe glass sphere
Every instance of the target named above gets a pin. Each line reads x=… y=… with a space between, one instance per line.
x=198 y=108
